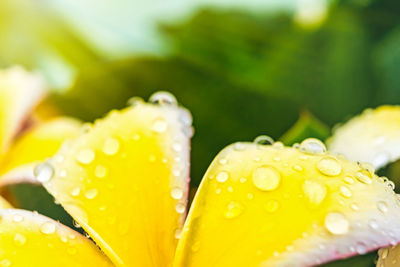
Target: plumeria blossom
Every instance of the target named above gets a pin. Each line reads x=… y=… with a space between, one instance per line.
x=125 y=180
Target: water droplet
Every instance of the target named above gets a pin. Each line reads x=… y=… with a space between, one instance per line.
x=135 y=100
x=75 y=191
x=222 y=177
x=100 y=171
x=76 y=224
x=373 y=224
x=177 y=147
x=336 y=223
x=364 y=177
x=180 y=208
x=163 y=98
x=314 y=191
x=390 y=184
x=19 y=239
x=63 y=173
x=85 y=156
x=233 y=210
x=271 y=206
x=348 y=180
x=382 y=206
x=242 y=180
x=297 y=168
x=176 y=193
x=238 y=146
x=18 y=218
x=312 y=146
x=91 y=193
x=329 y=166
x=361 y=248
x=160 y=126
x=223 y=161
x=354 y=207
x=264 y=140
x=44 y=172
x=48 y=228
x=110 y=146
x=345 y=191
x=278 y=145
x=266 y=178
x=178 y=233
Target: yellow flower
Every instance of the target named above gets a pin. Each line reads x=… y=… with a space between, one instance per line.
x=125 y=178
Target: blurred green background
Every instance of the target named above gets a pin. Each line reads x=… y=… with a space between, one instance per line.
x=289 y=69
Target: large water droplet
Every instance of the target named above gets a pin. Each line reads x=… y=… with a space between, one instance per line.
x=264 y=140
x=233 y=210
x=91 y=193
x=176 y=193
x=222 y=177
x=314 y=191
x=48 y=228
x=160 y=126
x=329 y=166
x=85 y=156
x=312 y=146
x=163 y=98
x=266 y=178
x=336 y=223
x=44 y=172
x=19 y=239
x=110 y=146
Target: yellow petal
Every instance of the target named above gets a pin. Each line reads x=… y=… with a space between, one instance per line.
x=127 y=182
x=373 y=136
x=4 y=204
x=20 y=91
x=263 y=205
x=30 y=239
x=37 y=144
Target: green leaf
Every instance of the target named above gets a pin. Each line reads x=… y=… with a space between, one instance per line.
x=367 y=260
x=306 y=126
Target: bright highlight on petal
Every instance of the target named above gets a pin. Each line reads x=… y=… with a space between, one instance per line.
x=20 y=91
x=286 y=206
x=373 y=136
x=30 y=239
x=126 y=181
x=38 y=143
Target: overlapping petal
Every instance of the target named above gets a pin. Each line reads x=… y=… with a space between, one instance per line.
x=125 y=182
x=373 y=136
x=262 y=205
x=38 y=143
x=20 y=91
x=30 y=239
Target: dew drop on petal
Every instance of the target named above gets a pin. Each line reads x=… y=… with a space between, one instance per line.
x=271 y=206
x=361 y=248
x=364 y=177
x=100 y=171
x=180 y=208
x=160 y=126
x=345 y=191
x=314 y=191
x=85 y=156
x=91 y=193
x=163 y=98
x=19 y=239
x=48 y=228
x=110 y=146
x=336 y=223
x=75 y=191
x=329 y=166
x=348 y=180
x=266 y=178
x=373 y=224
x=176 y=193
x=222 y=177
x=233 y=210
x=382 y=206
x=44 y=172
x=18 y=218
x=312 y=146
x=264 y=140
